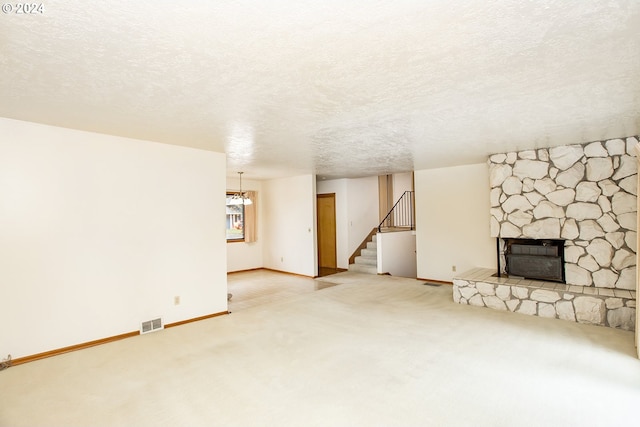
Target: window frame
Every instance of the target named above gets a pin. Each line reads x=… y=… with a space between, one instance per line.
x=227 y=220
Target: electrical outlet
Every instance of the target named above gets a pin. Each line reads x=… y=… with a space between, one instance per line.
x=281 y=259
x=176 y=300
x=453 y=268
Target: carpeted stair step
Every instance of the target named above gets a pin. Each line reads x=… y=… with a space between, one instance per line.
x=366 y=260
x=369 y=253
x=363 y=268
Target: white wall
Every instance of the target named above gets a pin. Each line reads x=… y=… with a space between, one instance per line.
x=401 y=182
x=397 y=253
x=99 y=233
x=241 y=255
x=362 y=209
x=290 y=225
x=339 y=188
x=452 y=210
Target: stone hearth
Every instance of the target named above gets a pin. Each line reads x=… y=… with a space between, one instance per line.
x=480 y=287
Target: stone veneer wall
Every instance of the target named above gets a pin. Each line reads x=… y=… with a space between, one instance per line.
x=585 y=194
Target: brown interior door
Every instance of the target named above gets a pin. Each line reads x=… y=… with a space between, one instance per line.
x=326 y=206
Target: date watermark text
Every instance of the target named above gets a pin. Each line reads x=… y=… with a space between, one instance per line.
x=22 y=8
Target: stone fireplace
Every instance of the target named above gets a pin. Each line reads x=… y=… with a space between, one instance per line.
x=582 y=194
x=565 y=220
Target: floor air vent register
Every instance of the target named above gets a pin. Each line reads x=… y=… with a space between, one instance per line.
x=151 y=326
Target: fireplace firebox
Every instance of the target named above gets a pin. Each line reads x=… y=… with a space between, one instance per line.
x=538 y=259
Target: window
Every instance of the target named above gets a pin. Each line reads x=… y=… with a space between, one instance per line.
x=241 y=218
x=235 y=221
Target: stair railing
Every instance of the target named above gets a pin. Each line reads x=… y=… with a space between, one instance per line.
x=401 y=214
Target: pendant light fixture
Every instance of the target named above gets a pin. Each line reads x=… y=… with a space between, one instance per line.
x=239 y=198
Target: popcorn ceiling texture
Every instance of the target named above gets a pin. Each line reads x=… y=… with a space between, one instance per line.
x=338 y=88
x=585 y=194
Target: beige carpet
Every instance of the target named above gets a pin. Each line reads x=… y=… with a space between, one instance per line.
x=258 y=287
x=373 y=351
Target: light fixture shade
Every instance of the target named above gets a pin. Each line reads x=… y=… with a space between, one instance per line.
x=239 y=198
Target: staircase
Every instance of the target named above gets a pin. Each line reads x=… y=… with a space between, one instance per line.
x=367 y=261
x=399 y=218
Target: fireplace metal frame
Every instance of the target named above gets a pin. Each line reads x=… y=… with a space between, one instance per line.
x=549 y=253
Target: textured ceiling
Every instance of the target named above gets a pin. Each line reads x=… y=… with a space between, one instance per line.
x=338 y=88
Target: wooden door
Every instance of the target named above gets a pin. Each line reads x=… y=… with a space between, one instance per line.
x=326 y=206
